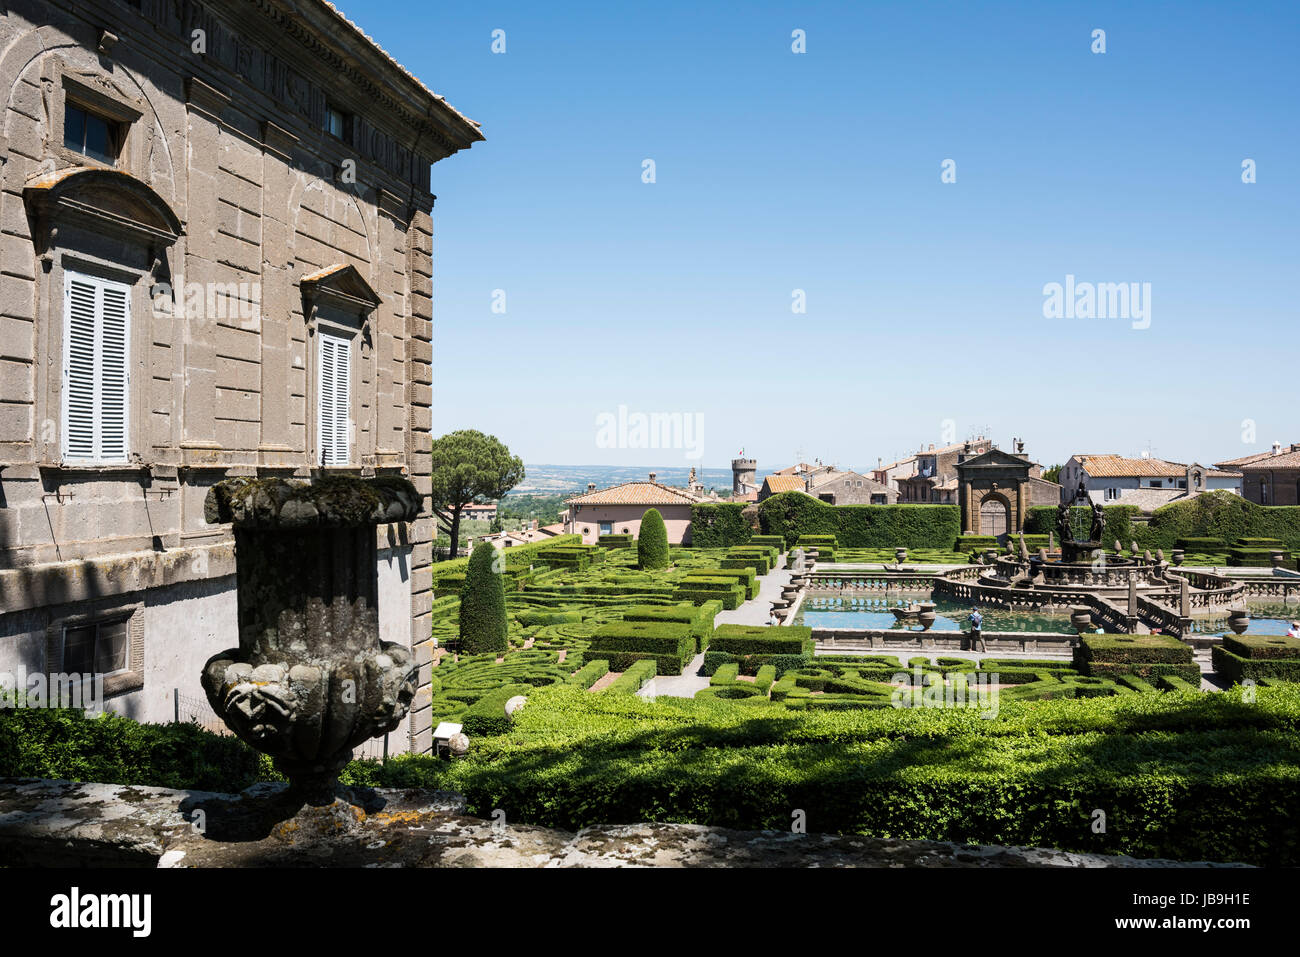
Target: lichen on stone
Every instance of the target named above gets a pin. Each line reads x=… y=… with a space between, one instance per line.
x=335 y=501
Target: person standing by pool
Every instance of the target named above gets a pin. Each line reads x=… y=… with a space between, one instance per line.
x=976 y=625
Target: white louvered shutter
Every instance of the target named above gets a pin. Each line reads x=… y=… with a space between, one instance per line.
x=96 y=369
x=333 y=402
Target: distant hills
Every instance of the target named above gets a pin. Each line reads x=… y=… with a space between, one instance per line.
x=543 y=479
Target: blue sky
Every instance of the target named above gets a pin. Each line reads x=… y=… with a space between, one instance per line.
x=820 y=171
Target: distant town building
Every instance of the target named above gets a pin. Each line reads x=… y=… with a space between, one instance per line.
x=484 y=512
x=1145 y=481
x=743 y=476
x=828 y=484
x=619 y=508
x=843 y=487
x=934 y=481
x=1269 y=478
x=778 y=482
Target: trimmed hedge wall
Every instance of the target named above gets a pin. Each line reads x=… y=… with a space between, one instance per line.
x=699 y=618
x=761 y=640
x=517 y=556
x=670 y=644
x=792 y=514
x=744 y=577
x=487 y=716
x=1146 y=656
x=718 y=526
x=1165 y=770
x=632 y=680
x=1218 y=515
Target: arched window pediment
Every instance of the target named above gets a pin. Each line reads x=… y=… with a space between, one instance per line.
x=106 y=201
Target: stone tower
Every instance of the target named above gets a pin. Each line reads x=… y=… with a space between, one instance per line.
x=743 y=472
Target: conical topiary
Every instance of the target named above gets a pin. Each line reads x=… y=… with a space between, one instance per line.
x=483 y=604
x=652 y=543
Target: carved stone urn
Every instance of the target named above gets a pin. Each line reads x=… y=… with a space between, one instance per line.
x=1238 y=620
x=927 y=615
x=1178 y=555
x=1081 y=618
x=310 y=679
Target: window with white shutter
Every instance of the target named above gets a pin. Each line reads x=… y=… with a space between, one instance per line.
x=333 y=400
x=96 y=369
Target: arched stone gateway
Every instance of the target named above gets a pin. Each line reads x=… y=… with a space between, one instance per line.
x=994 y=513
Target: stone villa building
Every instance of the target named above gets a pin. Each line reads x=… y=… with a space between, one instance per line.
x=1269 y=478
x=1145 y=482
x=215 y=261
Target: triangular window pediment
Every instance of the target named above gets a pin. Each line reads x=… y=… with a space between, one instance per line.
x=340 y=286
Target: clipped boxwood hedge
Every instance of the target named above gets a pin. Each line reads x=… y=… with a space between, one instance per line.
x=718 y=525
x=487 y=716
x=794 y=514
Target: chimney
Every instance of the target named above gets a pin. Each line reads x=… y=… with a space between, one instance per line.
x=880 y=462
x=1277 y=448
x=591 y=486
x=652 y=476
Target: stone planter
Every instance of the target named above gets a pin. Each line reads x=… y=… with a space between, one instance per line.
x=1178 y=556
x=1277 y=557
x=310 y=679
x=990 y=556
x=900 y=555
x=1081 y=618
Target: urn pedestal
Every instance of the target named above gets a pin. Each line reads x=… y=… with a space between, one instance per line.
x=310 y=679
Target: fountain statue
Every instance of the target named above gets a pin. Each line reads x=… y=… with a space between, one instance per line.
x=310 y=679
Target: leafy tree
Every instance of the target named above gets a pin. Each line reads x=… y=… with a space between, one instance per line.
x=652 y=543
x=469 y=466
x=483 y=604
x=1053 y=474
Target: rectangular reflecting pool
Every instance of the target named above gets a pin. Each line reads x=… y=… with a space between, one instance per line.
x=852 y=612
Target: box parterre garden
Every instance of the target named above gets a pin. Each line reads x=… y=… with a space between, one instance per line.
x=1122 y=727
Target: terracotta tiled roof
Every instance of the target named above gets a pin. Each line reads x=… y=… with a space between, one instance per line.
x=747 y=497
x=1116 y=466
x=911 y=459
x=1286 y=460
x=794 y=469
x=636 y=493
x=776 y=484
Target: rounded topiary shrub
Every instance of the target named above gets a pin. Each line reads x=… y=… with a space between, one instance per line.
x=483 y=604
x=652 y=543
